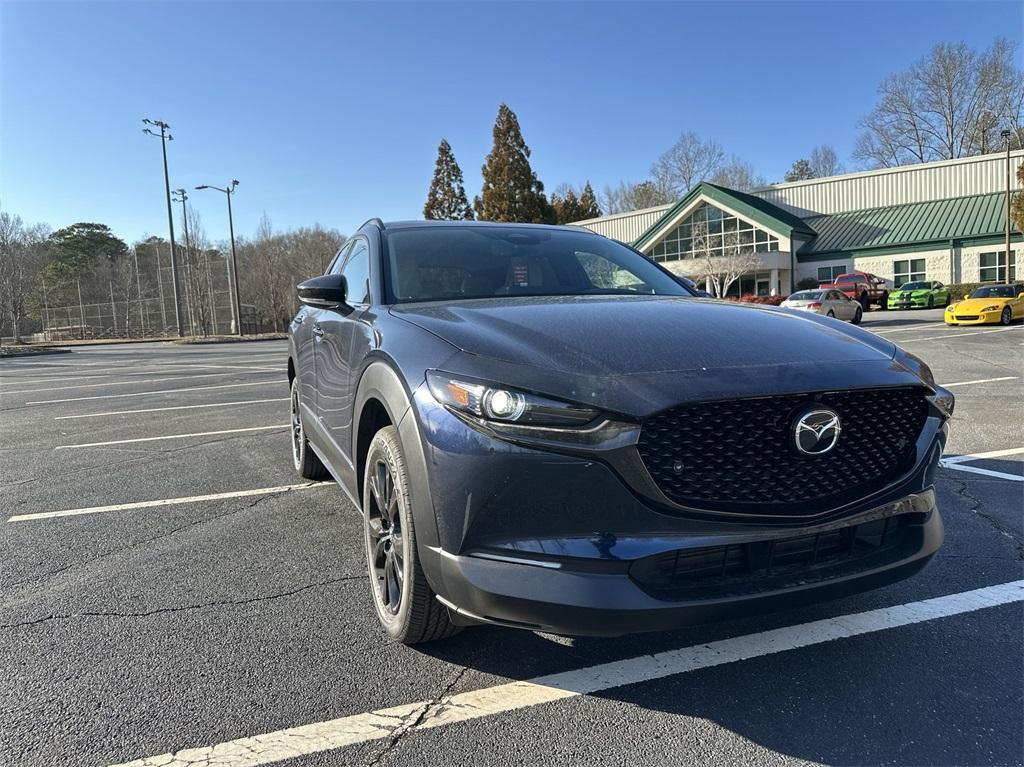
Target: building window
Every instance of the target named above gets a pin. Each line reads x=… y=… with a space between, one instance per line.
x=993 y=266
x=912 y=270
x=829 y=273
x=712 y=231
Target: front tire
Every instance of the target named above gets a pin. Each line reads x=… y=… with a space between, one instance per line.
x=306 y=462
x=858 y=316
x=884 y=303
x=1006 y=317
x=405 y=604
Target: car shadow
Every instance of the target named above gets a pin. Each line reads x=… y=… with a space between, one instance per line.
x=874 y=699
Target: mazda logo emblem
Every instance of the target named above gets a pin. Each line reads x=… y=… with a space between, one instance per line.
x=816 y=432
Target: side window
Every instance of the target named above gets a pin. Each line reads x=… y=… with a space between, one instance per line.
x=339 y=260
x=357 y=272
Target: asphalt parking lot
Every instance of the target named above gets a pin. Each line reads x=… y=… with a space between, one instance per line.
x=167 y=582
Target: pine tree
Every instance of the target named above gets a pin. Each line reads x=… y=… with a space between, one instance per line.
x=446 y=200
x=801 y=171
x=588 y=204
x=511 y=190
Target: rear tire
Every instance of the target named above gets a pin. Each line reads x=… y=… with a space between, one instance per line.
x=405 y=604
x=831 y=314
x=858 y=316
x=306 y=462
x=1006 y=317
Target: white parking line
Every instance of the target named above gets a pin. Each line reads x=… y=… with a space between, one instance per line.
x=171 y=436
x=385 y=723
x=162 y=369
x=980 y=381
x=985 y=472
x=159 y=391
x=982 y=456
x=125 y=383
x=164 y=502
x=947 y=336
x=161 y=409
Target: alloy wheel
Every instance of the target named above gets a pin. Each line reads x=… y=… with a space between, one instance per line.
x=387 y=548
x=1007 y=316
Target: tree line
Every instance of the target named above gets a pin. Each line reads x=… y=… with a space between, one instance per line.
x=84 y=281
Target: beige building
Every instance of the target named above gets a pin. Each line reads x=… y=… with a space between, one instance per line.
x=935 y=221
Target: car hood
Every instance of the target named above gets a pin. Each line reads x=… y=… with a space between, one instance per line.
x=921 y=292
x=622 y=335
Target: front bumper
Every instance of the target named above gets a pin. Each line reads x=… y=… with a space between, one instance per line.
x=968 y=318
x=581 y=597
x=908 y=302
x=560 y=542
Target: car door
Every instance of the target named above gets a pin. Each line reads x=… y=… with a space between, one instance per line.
x=940 y=294
x=306 y=335
x=335 y=367
x=846 y=307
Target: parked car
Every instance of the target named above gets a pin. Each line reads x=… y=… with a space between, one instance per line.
x=545 y=430
x=988 y=304
x=919 y=295
x=863 y=287
x=829 y=302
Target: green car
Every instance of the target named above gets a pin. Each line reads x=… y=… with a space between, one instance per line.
x=919 y=295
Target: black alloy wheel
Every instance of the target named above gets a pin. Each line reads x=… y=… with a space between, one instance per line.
x=1006 y=317
x=406 y=605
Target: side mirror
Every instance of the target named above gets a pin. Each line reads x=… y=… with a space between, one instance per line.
x=329 y=291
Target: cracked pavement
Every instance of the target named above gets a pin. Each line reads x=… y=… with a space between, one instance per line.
x=168 y=630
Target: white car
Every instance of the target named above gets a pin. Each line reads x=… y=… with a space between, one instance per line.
x=831 y=303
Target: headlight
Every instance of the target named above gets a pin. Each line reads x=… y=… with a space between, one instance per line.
x=951 y=308
x=504 y=404
x=990 y=309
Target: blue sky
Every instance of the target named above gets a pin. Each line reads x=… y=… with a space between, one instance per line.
x=332 y=112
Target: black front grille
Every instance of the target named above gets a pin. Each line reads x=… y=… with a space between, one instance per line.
x=738 y=455
x=765 y=565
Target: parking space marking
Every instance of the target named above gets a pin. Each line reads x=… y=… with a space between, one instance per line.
x=161 y=409
x=984 y=472
x=165 y=502
x=125 y=383
x=386 y=723
x=171 y=436
x=270 y=382
x=983 y=456
x=171 y=368
x=948 y=336
x=981 y=381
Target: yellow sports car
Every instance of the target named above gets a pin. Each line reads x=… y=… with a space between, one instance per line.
x=989 y=303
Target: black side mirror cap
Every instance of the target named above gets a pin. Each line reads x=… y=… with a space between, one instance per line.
x=328 y=291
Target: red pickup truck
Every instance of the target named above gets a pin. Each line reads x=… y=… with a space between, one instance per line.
x=863 y=287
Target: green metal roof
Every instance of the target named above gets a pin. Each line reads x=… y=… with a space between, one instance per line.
x=759 y=211
x=907 y=226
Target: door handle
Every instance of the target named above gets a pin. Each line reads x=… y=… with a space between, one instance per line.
x=318 y=331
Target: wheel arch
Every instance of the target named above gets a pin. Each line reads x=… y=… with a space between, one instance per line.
x=381 y=399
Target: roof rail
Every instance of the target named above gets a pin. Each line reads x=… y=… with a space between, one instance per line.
x=376 y=222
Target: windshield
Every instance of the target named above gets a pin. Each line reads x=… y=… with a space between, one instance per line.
x=807 y=295
x=915 y=286
x=997 y=291
x=434 y=263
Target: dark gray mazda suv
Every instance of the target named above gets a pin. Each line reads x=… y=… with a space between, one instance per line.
x=545 y=430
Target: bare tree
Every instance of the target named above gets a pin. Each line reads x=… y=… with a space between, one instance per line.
x=687 y=162
x=944 y=106
x=739 y=175
x=22 y=258
x=628 y=196
x=719 y=258
x=825 y=161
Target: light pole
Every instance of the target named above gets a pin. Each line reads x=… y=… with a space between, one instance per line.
x=236 y=318
x=1006 y=139
x=165 y=136
x=180 y=196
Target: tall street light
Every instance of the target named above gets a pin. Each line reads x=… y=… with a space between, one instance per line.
x=236 y=318
x=1006 y=139
x=165 y=136
x=180 y=196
